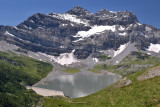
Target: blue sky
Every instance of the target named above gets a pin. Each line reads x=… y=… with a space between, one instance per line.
x=13 y=12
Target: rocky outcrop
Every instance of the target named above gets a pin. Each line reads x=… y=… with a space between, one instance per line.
x=153 y=72
x=123 y=82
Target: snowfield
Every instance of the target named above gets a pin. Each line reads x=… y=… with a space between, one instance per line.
x=72 y=18
x=154 y=47
x=120 y=49
x=63 y=59
x=94 y=30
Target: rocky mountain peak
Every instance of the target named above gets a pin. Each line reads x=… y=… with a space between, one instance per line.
x=102 y=12
x=127 y=14
x=78 y=11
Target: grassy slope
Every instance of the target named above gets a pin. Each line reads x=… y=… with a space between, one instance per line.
x=60 y=102
x=94 y=70
x=15 y=73
x=72 y=70
x=138 y=94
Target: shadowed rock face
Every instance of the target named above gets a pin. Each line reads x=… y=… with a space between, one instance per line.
x=105 y=17
x=61 y=33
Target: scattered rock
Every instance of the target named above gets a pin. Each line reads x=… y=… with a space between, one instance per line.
x=123 y=82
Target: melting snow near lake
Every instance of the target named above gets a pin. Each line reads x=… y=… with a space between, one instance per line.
x=63 y=59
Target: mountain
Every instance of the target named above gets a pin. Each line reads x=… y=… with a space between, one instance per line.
x=79 y=36
x=76 y=41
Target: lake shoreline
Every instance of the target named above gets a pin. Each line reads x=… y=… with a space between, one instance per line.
x=57 y=72
x=72 y=78
x=45 y=92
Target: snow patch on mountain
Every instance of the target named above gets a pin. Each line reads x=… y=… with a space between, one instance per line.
x=121 y=28
x=123 y=34
x=7 y=33
x=63 y=59
x=15 y=27
x=72 y=18
x=94 y=30
x=96 y=60
x=63 y=24
x=112 y=12
x=117 y=62
x=30 y=28
x=148 y=29
x=120 y=49
x=31 y=21
x=154 y=47
x=139 y=24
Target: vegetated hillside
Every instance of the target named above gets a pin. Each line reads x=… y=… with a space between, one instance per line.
x=134 y=62
x=136 y=89
x=15 y=73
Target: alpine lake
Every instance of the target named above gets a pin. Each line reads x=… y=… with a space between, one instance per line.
x=79 y=84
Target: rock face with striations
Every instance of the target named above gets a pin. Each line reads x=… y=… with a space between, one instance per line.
x=78 y=29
